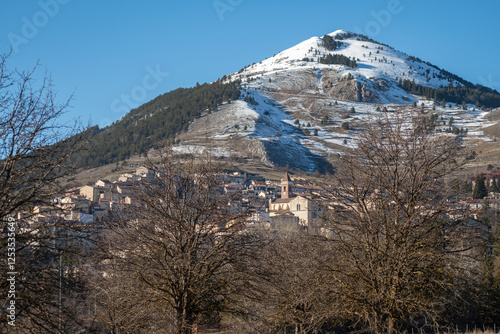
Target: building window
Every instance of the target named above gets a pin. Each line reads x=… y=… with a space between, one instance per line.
x=298 y=207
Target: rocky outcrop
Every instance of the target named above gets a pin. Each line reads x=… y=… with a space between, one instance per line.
x=352 y=90
x=337 y=85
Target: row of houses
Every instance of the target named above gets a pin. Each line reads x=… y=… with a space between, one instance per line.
x=298 y=209
x=91 y=203
x=283 y=205
x=88 y=204
x=489 y=177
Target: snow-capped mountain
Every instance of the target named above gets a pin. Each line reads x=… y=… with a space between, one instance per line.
x=378 y=69
x=305 y=103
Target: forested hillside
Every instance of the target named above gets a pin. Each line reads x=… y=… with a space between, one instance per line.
x=155 y=123
x=478 y=95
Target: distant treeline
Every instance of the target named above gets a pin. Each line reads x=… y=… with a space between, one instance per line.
x=154 y=123
x=477 y=95
x=338 y=59
x=330 y=44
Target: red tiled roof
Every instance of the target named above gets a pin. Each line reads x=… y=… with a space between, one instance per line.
x=487 y=176
x=282 y=200
x=489 y=200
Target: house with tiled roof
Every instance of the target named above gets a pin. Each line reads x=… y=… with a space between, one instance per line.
x=257 y=186
x=104 y=184
x=488 y=177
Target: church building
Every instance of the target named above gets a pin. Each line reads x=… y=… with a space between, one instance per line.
x=292 y=212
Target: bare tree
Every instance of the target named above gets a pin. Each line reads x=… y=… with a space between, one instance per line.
x=34 y=145
x=392 y=231
x=299 y=295
x=183 y=243
x=34 y=149
x=119 y=303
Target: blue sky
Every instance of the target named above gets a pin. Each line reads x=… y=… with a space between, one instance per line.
x=113 y=55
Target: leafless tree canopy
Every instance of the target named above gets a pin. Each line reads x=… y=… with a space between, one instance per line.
x=393 y=233
x=34 y=148
x=182 y=243
x=299 y=294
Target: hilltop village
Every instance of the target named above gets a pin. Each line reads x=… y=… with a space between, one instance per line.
x=284 y=204
x=289 y=204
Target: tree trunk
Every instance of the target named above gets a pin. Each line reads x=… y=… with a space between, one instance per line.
x=181 y=319
x=390 y=325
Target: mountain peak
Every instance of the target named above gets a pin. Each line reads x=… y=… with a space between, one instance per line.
x=339 y=32
x=378 y=68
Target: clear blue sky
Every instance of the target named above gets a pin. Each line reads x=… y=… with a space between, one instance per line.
x=115 y=54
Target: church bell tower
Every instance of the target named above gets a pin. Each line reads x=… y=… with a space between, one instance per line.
x=286 y=186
